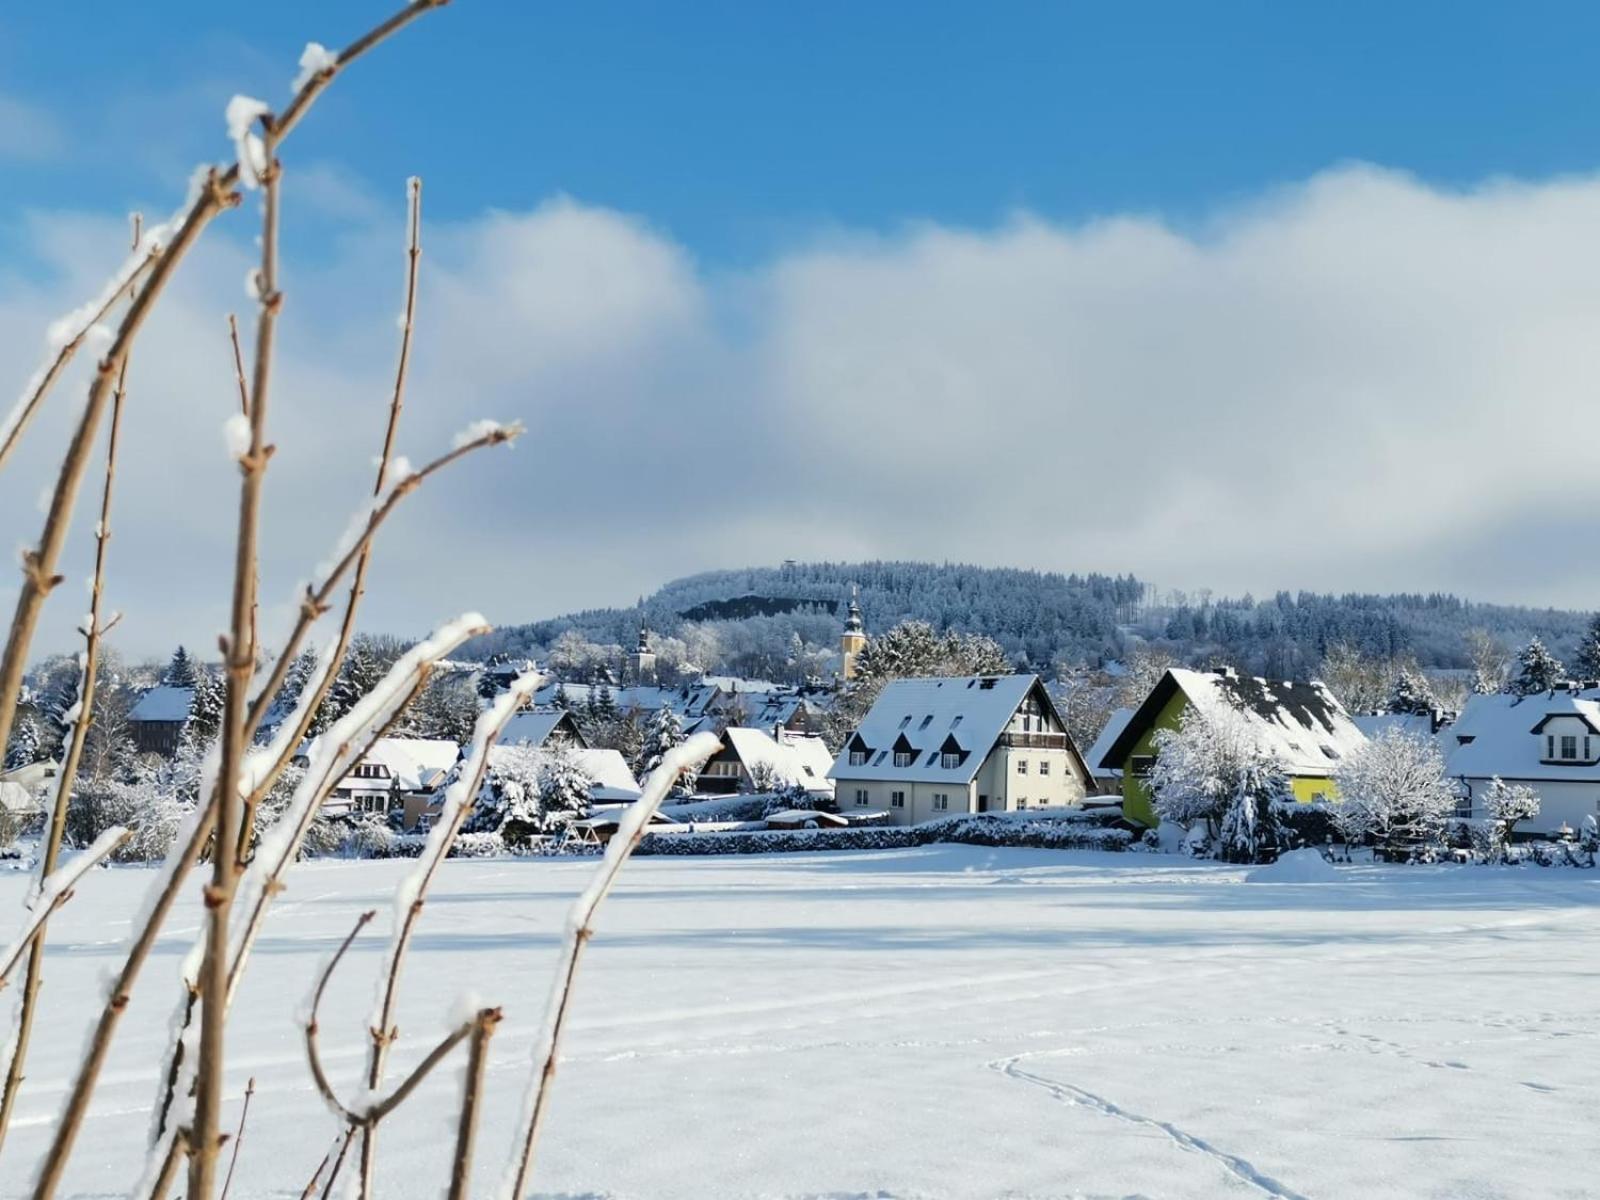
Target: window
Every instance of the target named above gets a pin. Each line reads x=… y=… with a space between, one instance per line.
x=1140 y=764
x=905 y=720
x=926 y=721
x=861 y=797
x=1549 y=745
x=858 y=758
x=1044 y=767
x=902 y=758
x=897 y=799
x=941 y=801
x=1464 y=806
x=1022 y=802
x=1586 y=752
x=949 y=761
x=1022 y=766
x=1027 y=723
x=956 y=720
x=1569 y=745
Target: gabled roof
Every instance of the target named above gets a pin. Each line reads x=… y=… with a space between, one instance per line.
x=1115 y=724
x=535 y=728
x=162 y=703
x=611 y=782
x=1302 y=723
x=975 y=708
x=796 y=759
x=1502 y=736
x=417 y=764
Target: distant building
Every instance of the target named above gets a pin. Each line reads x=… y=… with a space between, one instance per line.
x=933 y=748
x=755 y=760
x=540 y=726
x=1108 y=779
x=641 y=664
x=1549 y=741
x=1302 y=724
x=157 y=718
x=393 y=769
x=853 y=640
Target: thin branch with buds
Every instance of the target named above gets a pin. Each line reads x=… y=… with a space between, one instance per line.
x=580 y=928
x=483 y=1028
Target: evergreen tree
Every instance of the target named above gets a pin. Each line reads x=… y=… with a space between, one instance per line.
x=180 y=671
x=24 y=747
x=1586 y=663
x=1251 y=830
x=1411 y=694
x=296 y=678
x=446 y=709
x=605 y=704
x=1537 y=670
x=204 y=722
x=564 y=787
x=358 y=675
x=664 y=733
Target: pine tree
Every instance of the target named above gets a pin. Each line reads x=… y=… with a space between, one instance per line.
x=180 y=671
x=1537 y=670
x=296 y=678
x=24 y=747
x=664 y=733
x=1411 y=695
x=358 y=675
x=1586 y=665
x=204 y=722
x=564 y=787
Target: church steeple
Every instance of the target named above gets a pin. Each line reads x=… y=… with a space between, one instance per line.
x=854 y=639
x=642 y=662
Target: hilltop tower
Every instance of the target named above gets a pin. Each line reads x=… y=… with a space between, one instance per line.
x=853 y=640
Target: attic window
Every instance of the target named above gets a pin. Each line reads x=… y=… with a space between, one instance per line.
x=903 y=758
x=926 y=721
x=950 y=760
x=956 y=720
x=905 y=720
x=932 y=754
x=1330 y=754
x=878 y=761
x=988 y=683
x=1465 y=739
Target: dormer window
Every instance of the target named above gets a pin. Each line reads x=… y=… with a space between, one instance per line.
x=949 y=761
x=1569 y=746
x=902 y=758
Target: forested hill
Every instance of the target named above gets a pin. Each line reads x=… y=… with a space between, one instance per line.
x=757 y=620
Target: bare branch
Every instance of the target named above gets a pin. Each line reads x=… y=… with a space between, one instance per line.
x=471 y=1101
x=238 y=1138
x=57 y=889
x=238 y=365
x=313 y=1058
x=580 y=927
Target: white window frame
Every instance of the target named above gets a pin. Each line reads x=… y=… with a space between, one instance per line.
x=897 y=799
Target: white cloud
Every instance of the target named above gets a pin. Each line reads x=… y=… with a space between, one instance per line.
x=1358 y=382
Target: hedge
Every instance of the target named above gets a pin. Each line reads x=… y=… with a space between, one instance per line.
x=1088 y=833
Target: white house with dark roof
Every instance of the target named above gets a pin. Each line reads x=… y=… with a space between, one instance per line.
x=754 y=758
x=934 y=748
x=1549 y=741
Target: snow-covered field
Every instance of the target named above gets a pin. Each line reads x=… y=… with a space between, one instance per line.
x=948 y=1021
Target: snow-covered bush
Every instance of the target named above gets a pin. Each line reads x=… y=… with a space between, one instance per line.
x=1212 y=771
x=369 y=838
x=1393 y=790
x=1589 y=835
x=1509 y=803
x=324 y=837
x=791 y=797
x=145 y=806
x=1090 y=833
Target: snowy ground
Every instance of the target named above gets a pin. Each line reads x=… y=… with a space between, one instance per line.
x=947 y=1021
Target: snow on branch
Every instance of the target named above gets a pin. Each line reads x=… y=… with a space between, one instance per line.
x=242 y=113
x=55 y=889
x=579 y=928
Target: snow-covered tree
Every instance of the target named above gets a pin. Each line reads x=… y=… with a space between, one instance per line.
x=204 y=722
x=528 y=791
x=1586 y=663
x=1411 y=695
x=180 y=671
x=358 y=675
x=1537 y=670
x=447 y=708
x=24 y=747
x=1393 y=788
x=1212 y=769
x=663 y=733
x=1489 y=662
x=565 y=787
x=1509 y=803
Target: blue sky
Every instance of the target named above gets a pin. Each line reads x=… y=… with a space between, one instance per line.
x=1241 y=296
x=735 y=125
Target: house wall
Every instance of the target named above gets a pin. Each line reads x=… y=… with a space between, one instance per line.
x=919 y=799
x=1560 y=801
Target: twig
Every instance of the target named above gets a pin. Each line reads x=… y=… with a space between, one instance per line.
x=318 y=1075
x=238 y=365
x=239 y=659
x=344 y=1152
x=580 y=927
x=457 y=805
x=471 y=1101
x=358 y=582
x=56 y=889
x=92 y=632
x=238 y=1138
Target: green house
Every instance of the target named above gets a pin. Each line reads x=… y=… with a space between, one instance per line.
x=1302 y=723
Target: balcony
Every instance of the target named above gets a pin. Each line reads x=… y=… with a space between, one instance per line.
x=1034 y=741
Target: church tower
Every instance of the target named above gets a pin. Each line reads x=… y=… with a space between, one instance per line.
x=853 y=640
x=642 y=662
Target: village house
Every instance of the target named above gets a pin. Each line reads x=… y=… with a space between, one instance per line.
x=1301 y=723
x=756 y=761
x=1549 y=741
x=393 y=769
x=934 y=748
x=541 y=726
x=157 y=718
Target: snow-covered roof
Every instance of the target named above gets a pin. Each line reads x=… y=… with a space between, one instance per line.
x=1375 y=724
x=969 y=711
x=796 y=759
x=534 y=728
x=611 y=780
x=1303 y=723
x=16 y=798
x=162 y=703
x=804 y=816
x=1502 y=735
x=416 y=764
x=1115 y=724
